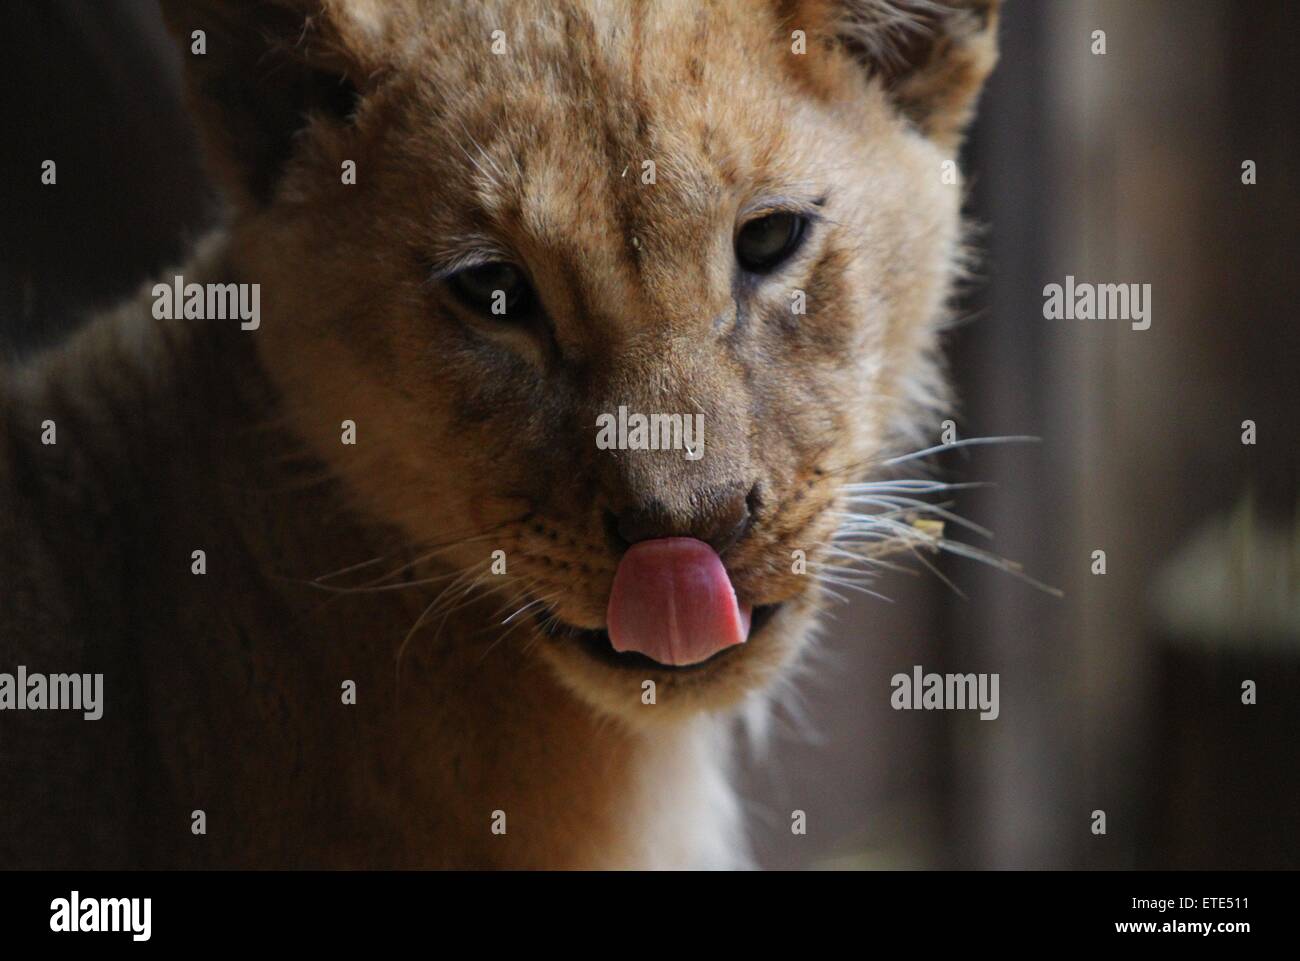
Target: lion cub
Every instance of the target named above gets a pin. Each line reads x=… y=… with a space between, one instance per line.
x=410 y=568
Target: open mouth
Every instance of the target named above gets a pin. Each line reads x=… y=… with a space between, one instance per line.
x=597 y=642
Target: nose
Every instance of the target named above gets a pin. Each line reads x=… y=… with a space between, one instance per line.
x=720 y=518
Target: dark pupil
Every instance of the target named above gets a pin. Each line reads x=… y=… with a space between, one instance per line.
x=765 y=242
x=478 y=285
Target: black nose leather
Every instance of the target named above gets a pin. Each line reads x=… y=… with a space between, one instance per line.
x=722 y=520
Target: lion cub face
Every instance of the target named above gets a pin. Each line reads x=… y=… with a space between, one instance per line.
x=566 y=216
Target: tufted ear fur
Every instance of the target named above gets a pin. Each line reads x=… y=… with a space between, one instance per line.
x=931 y=56
x=267 y=68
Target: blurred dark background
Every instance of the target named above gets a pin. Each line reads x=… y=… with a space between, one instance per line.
x=1125 y=695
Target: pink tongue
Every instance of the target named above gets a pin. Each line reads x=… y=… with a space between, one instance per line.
x=673 y=602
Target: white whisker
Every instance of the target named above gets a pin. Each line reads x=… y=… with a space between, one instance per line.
x=968 y=442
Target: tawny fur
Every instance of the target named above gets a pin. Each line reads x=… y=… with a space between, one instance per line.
x=223 y=690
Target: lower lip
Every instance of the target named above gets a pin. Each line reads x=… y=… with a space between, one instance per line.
x=596 y=643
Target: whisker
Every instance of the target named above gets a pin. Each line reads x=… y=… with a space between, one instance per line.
x=1009 y=567
x=902 y=505
x=899 y=486
x=425 y=558
x=851 y=585
x=873 y=561
x=967 y=442
x=351 y=568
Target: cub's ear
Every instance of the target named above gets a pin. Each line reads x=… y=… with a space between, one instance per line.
x=257 y=72
x=932 y=56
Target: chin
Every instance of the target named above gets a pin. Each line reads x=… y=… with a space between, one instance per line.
x=615 y=683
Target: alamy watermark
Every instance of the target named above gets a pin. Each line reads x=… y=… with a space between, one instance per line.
x=624 y=431
x=53 y=692
x=179 y=300
x=75 y=914
x=1081 y=301
x=919 y=691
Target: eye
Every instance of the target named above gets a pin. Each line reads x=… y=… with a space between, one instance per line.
x=763 y=244
x=497 y=289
